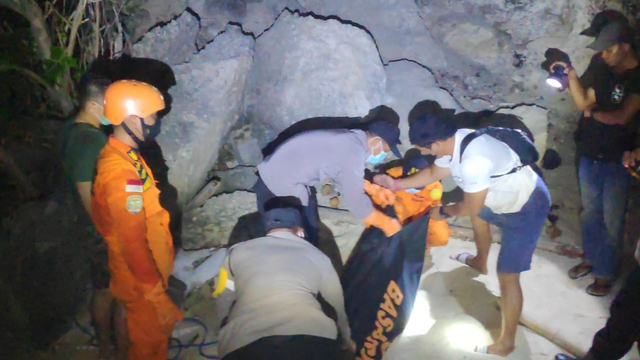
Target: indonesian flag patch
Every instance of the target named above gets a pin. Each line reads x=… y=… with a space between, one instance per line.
x=133 y=185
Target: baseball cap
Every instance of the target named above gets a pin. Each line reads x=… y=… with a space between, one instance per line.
x=602 y=19
x=429 y=123
x=388 y=132
x=612 y=34
x=285 y=217
x=413 y=162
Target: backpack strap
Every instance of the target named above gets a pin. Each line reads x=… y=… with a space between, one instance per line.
x=474 y=135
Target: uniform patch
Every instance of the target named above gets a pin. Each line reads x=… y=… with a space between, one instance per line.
x=133 y=185
x=134 y=204
x=133 y=155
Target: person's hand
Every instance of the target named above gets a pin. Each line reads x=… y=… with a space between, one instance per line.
x=568 y=69
x=349 y=345
x=631 y=158
x=435 y=213
x=385 y=181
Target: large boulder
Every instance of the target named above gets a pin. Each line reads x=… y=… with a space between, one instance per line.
x=535 y=119
x=305 y=67
x=407 y=84
x=207 y=101
x=215 y=16
x=396 y=25
x=141 y=15
x=213 y=224
x=173 y=43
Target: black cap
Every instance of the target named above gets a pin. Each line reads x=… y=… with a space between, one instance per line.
x=612 y=34
x=413 y=162
x=387 y=132
x=429 y=122
x=602 y=19
x=428 y=107
x=286 y=217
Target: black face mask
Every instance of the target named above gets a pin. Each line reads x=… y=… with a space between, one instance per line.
x=149 y=132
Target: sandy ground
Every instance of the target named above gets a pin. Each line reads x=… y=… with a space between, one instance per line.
x=456 y=309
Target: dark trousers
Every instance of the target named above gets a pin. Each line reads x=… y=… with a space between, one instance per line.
x=623 y=327
x=310 y=215
x=296 y=347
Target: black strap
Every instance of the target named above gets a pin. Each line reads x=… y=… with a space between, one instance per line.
x=474 y=135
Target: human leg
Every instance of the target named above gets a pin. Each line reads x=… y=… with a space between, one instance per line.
x=482 y=237
x=121 y=331
x=102 y=308
x=102 y=304
x=592 y=217
x=148 y=335
x=616 y=184
x=623 y=326
x=511 y=301
x=520 y=233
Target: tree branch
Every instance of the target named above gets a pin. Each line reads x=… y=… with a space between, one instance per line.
x=30 y=10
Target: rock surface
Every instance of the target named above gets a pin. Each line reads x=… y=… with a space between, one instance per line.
x=206 y=101
x=173 y=43
x=212 y=224
x=142 y=15
x=324 y=68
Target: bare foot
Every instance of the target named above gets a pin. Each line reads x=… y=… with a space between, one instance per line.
x=501 y=349
x=475 y=263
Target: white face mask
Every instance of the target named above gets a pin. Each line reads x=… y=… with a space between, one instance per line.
x=103 y=120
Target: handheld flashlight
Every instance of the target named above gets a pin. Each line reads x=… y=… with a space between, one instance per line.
x=557 y=79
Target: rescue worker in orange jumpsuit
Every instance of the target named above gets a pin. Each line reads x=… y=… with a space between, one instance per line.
x=127 y=212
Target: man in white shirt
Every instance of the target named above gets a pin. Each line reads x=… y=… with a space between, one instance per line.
x=272 y=293
x=497 y=190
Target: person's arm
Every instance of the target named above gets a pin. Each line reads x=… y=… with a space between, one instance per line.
x=476 y=179
x=331 y=291
x=422 y=178
x=84 y=190
x=471 y=205
x=622 y=116
x=585 y=100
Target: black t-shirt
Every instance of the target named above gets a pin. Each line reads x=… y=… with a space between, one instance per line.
x=598 y=141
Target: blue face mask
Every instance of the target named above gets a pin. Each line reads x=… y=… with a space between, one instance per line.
x=412 y=191
x=377 y=159
x=104 y=121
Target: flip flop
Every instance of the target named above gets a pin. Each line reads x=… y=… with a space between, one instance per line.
x=482 y=350
x=586 y=270
x=461 y=258
x=564 y=357
x=606 y=289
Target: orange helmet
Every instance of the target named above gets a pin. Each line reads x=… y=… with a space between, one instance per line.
x=130 y=97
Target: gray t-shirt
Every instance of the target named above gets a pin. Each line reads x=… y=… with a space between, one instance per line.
x=276 y=280
x=310 y=157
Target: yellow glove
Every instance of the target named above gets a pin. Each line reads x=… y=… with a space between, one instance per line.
x=381 y=196
x=388 y=225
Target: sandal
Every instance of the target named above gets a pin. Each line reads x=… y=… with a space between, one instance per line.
x=580 y=270
x=600 y=288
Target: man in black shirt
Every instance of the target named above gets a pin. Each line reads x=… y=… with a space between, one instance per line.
x=608 y=94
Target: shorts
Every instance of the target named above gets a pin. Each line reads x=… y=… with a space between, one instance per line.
x=520 y=230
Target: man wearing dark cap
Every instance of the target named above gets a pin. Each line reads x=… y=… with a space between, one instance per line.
x=497 y=190
x=271 y=293
x=609 y=98
x=340 y=155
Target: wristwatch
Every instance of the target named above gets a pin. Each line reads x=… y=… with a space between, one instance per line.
x=444 y=214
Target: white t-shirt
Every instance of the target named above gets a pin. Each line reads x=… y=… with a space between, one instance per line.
x=484 y=157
